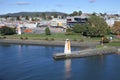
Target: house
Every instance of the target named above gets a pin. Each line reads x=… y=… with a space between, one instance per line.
x=71 y=20
x=58 y=22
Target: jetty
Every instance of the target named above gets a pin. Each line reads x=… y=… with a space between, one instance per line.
x=105 y=50
x=87 y=53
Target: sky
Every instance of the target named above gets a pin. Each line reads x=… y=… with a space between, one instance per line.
x=66 y=6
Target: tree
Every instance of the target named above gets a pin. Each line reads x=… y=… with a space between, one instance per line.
x=18 y=18
x=98 y=26
x=27 y=17
x=55 y=15
x=94 y=27
x=80 y=28
x=43 y=15
x=116 y=27
x=77 y=28
x=76 y=13
x=7 y=17
x=80 y=13
x=47 y=31
x=7 y=30
x=36 y=15
x=94 y=13
x=83 y=29
x=101 y=14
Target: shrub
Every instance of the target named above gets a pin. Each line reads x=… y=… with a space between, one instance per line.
x=69 y=32
x=52 y=39
x=46 y=38
x=47 y=31
x=26 y=38
x=4 y=37
x=7 y=30
x=21 y=38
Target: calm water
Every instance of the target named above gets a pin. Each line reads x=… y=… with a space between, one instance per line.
x=28 y=62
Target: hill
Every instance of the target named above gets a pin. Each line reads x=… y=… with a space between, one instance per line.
x=32 y=14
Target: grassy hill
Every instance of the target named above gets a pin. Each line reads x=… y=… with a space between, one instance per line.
x=32 y=14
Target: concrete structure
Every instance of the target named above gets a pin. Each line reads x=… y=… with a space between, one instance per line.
x=87 y=53
x=119 y=50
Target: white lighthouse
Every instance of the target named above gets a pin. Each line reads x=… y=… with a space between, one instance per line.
x=67 y=48
x=19 y=30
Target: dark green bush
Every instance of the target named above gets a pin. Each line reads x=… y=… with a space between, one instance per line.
x=7 y=30
x=52 y=39
x=4 y=37
x=21 y=38
x=26 y=38
x=47 y=31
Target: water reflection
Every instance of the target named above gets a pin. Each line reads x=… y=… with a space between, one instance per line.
x=67 y=68
x=20 y=50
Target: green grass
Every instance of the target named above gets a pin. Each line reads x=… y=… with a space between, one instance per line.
x=57 y=36
x=99 y=46
x=114 y=43
x=62 y=37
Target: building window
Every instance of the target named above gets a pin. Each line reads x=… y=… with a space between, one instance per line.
x=69 y=20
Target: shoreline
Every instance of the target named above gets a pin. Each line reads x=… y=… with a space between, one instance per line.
x=48 y=43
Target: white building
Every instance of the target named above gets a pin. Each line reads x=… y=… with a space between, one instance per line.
x=111 y=21
x=30 y=25
x=58 y=22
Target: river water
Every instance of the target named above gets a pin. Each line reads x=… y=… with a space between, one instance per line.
x=32 y=62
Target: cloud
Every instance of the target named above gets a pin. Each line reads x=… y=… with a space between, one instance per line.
x=59 y=5
x=92 y=1
x=22 y=3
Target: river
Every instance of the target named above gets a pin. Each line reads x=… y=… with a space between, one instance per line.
x=33 y=62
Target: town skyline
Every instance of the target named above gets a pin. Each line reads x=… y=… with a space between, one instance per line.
x=66 y=6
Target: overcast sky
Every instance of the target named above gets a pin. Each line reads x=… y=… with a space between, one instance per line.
x=67 y=6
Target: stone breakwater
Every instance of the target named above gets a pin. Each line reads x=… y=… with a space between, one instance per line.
x=87 y=53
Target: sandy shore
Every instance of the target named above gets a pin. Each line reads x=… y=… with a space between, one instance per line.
x=48 y=43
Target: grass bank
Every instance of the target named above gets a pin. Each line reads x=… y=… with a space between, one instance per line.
x=58 y=36
x=114 y=43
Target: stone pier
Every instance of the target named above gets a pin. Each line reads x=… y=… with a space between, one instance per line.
x=87 y=53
